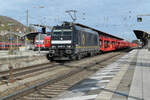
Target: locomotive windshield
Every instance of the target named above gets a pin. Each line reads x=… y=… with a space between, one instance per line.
x=56 y=33
x=61 y=35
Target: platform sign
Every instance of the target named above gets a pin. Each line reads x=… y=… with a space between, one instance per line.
x=139 y=19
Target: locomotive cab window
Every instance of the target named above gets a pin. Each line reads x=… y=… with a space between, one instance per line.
x=62 y=34
x=56 y=33
x=67 y=35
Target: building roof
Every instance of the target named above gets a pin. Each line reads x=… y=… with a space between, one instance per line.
x=142 y=35
x=32 y=35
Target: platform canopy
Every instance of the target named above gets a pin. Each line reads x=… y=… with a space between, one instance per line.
x=142 y=35
x=31 y=36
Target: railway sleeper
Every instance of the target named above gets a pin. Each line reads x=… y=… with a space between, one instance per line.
x=50 y=93
x=36 y=98
x=39 y=95
x=75 y=77
x=64 y=84
x=59 y=87
x=51 y=90
x=45 y=93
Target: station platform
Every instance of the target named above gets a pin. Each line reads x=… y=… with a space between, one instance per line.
x=5 y=54
x=21 y=59
x=126 y=79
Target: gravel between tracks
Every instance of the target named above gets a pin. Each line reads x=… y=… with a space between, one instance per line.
x=62 y=69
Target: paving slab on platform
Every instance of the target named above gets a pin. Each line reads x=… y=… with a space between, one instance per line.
x=135 y=84
x=98 y=85
x=24 y=59
x=140 y=87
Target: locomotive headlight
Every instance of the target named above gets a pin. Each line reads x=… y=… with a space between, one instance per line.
x=61 y=46
x=68 y=51
x=68 y=46
x=52 y=51
x=53 y=46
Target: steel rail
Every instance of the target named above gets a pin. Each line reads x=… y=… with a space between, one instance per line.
x=38 y=86
x=25 y=70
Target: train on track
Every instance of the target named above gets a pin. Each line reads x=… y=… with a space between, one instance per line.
x=71 y=41
x=42 y=41
x=8 y=45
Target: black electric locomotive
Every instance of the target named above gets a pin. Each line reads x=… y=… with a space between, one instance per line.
x=72 y=41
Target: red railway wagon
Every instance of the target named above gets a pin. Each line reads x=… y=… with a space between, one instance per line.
x=6 y=45
x=111 y=44
x=43 y=42
x=107 y=43
x=39 y=41
x=47 y=42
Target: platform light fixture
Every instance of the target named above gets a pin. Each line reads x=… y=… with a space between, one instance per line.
x=139 y=19
x=39 y=7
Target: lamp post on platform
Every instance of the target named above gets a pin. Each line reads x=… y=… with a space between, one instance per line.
x=39 y=7
x=10 y=65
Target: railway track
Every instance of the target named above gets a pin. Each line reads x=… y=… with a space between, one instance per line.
x=19 y=73
x=55 y=85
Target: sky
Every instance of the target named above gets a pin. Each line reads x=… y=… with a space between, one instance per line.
x=116 y=17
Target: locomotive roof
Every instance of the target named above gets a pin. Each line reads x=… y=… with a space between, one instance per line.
x=99 y=32
x=86 y=29
x=68 y=24
x=32 y=35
